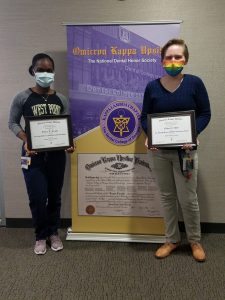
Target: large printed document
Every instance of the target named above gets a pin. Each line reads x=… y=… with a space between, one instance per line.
x=116 y=185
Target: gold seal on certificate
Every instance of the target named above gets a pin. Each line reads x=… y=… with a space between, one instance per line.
x=48 y=133
x=171 y=129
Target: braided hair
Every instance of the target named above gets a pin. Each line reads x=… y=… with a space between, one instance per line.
x=36 y=58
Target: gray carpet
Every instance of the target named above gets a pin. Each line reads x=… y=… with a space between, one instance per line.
x=107 y=270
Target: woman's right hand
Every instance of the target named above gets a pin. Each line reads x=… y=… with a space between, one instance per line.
x=29 y=152
x=22 y=135
x=152 y=148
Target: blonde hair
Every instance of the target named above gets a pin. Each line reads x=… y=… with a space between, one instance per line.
x=175 y=42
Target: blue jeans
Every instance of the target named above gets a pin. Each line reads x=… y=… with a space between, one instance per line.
x=44 y=182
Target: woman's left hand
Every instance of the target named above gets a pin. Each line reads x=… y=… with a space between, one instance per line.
x=71 y=149
x=187 y=147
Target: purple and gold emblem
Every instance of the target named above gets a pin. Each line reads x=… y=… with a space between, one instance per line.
x=119 y=122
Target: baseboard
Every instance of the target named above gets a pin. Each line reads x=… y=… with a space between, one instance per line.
x=207 y=227
x=66 y=223
x=27 y=223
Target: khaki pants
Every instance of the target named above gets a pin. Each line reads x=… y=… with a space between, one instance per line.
x=175 y=187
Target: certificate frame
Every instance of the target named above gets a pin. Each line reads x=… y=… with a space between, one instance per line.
x=49 y=132
x=171 y=129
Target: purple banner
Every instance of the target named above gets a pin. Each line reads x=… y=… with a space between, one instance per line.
x=110 y=64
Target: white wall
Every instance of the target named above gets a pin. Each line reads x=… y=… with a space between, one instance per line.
x=28 y=27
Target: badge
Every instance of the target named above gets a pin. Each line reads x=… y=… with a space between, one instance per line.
x=25 y=162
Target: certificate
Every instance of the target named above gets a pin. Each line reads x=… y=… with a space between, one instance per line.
x=48 y=133
x=171 y=129
x=116 y=184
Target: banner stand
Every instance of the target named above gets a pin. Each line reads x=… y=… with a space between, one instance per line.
x=112 y=237
x=113 y=189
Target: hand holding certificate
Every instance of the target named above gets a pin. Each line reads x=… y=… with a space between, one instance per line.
x=48 y=133
x=172 y=129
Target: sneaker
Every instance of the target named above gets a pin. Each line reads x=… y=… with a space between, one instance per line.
x=197 y=252
x=40 y=247
x=56 y=243
x=165 y=250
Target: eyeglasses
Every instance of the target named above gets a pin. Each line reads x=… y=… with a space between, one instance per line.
x=176 y=57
